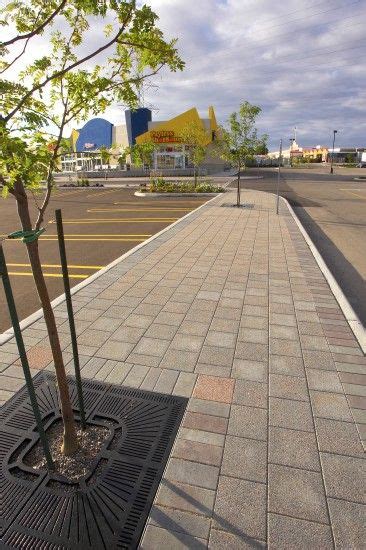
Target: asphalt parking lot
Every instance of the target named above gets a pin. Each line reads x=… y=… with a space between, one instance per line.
x=333 y=210
x=99 y=225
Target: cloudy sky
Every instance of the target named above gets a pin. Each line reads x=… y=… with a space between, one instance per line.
x=302 y=62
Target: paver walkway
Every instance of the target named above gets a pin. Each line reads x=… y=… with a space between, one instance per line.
x=230 y=309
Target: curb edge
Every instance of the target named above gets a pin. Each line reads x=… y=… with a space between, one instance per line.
x=25 y=323
x=348 y=311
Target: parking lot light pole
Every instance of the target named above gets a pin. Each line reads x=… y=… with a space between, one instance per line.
x=279 y=176
x=331 y=158
x=291 y=144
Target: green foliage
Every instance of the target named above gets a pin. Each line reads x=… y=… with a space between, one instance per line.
x=196 y=137
x=238 y=141
x=160 y=185
x=82 y=182
x=61 y=87
x=142 y=154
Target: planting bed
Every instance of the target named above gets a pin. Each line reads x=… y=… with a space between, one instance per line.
x=106 y=503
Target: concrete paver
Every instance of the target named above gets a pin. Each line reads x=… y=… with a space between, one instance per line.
x=230 y=309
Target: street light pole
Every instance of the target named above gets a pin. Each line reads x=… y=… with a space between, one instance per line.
x=279 y=176
x=331 y=158
x=291 y=144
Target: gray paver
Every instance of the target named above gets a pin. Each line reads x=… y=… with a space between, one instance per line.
x=330 y=405
x=185 y=497
x=293 y=448
x=348 y=523
x=245 y=458
x=249 y=370
x=338 y=437
x=166 y=381
x=155 y=537
x=222 y=540
x=297 y=493
x=286 y=533
x=177 y=520
x=250 y=393
x=250 y=422
x=324 y=381
x=344 y=477
x=288 y=387
x=209 y=407
x=242 y=516
x=286 y=413
x=293 y=366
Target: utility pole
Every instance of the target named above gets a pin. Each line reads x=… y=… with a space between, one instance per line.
x=331 y=158
x=279 y=175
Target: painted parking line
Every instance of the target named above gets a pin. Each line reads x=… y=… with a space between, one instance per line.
x=58 y=275
x=116 y=220
x=91 y=238
x=167 y=209
x=96 y=193
x=355 y=194
x=59 y=266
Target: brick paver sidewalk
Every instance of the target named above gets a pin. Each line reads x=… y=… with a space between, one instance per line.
x=230 y=309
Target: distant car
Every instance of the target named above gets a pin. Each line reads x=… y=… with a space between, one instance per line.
x=361 y=165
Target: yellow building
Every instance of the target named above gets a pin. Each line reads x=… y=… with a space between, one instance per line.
x=171 y=152
x=317 y=153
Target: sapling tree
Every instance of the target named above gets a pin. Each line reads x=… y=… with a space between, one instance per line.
x=142 y=154
x=197 y=138
x=57 y=70
x=239 y=139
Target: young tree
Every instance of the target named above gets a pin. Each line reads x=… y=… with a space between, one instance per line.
x=196 y=137
x=239 y=139
x=105 y=156
x=142 y=154
x=70 y=82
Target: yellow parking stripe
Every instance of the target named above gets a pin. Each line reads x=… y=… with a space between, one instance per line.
x=168 y=209
x=26 y=274
x=70 y=192
x=59 y=265
x=99 y=194
x=135 y=240
x=355 y=194
x=119 y=220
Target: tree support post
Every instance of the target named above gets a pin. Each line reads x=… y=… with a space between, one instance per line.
x=23 y=358
x=70 y=311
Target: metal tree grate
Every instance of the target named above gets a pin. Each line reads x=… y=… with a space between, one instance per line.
x=106 y=509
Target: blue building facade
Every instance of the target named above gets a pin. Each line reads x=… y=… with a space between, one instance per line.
x=137 y=123
x=94 y=134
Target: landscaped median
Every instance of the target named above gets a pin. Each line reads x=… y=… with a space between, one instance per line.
x=160 y=186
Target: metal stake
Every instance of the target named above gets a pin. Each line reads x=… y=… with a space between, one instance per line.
x=279 y=176
x=70 y=311
x=23 y=358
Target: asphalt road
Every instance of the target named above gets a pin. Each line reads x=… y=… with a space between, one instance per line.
x=99 y=225
x=333 y=210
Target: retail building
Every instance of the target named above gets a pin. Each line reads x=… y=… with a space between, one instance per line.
x=88 y=143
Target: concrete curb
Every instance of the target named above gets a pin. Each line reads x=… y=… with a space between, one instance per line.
x=155 y=195
x=9 y=333
x=348 y=311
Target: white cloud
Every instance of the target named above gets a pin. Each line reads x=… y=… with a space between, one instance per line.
x=302 y=66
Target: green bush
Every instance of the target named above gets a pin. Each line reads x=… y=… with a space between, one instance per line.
x=159 y=185
x=82 y=182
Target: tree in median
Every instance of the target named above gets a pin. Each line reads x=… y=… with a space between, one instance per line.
x=197 y=138
x=239 y=141
x=72 y=81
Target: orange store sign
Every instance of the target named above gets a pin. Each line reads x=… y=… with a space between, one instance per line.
x=164 y=136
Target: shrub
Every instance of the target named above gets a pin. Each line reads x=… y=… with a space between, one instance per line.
x=82 y=182
x=159 y=185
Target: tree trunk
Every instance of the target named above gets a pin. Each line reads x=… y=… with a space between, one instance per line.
x=70 y=442
x=238 y=189
x=195 y=176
